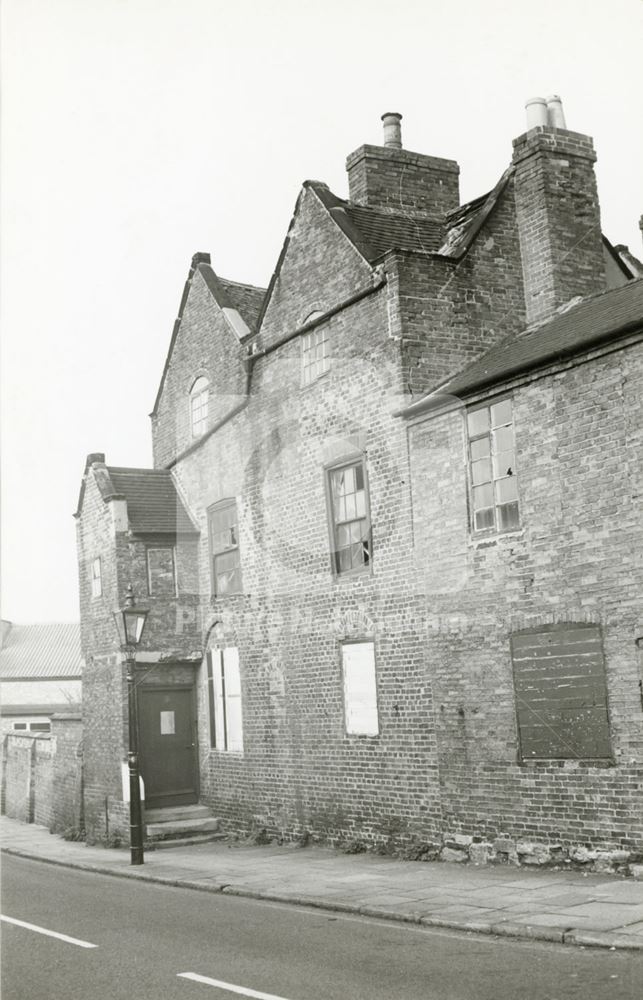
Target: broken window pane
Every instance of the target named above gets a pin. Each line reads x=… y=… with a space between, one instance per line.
x=351 y=535
x=492 y=467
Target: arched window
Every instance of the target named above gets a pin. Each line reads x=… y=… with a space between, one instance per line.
x=199 y=394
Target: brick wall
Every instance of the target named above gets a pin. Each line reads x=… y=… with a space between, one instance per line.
x=17 y=777
x=172 y=633
x=573 y=559
x=447 y=314
x=322 y=268
x=27 y=778
x=207 y=346
x=42 y=777
x=67 y=806
x=403 y=181
x=559 y=219
x=299 y=770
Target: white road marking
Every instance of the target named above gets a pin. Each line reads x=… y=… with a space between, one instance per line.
x=43 y=930
x=243 y=990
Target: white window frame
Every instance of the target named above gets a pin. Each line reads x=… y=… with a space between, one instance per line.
x=96 y=573
x=226 y=715
x=359 y=682
x=342 y=521
x=199 y=406
x=502 y=471
x=314 y=355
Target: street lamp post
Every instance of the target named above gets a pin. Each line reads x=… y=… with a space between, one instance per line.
x=130 y=622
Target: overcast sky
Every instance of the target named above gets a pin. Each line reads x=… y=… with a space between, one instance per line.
x=136 y=132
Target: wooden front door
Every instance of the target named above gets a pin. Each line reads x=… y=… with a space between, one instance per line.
x=167 y=744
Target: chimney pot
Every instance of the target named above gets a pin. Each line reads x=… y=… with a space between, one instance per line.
x=555 y=113
x=392 y=129
x=536 y=108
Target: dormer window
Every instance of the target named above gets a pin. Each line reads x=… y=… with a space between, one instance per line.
x=199 y=396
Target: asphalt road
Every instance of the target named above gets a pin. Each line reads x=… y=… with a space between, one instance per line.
x=148 y=937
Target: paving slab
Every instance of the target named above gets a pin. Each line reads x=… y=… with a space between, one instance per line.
x=564 y=907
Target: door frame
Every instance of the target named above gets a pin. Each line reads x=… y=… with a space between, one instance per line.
x=194 y=726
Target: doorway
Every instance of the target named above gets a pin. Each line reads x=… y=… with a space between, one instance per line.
x=168 y=745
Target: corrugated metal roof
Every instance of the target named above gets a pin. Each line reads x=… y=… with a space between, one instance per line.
x=41 y=651
x=153 y=504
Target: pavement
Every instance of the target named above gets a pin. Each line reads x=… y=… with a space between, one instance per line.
x=565 y=907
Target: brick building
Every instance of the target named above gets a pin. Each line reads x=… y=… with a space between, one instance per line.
x=391 y=540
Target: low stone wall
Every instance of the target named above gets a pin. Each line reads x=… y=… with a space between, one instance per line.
x=42 y=776
x=504 y=850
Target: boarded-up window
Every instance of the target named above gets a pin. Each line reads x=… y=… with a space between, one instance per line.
x=161 y=574
x=224 y=687
x=561 y=697
x=360 y=690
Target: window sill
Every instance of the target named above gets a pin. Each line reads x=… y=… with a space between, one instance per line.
x=569 y=763
x=353 y=574
x=482 y=538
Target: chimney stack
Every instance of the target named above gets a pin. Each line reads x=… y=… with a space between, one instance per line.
x=559 y=222
x=396 y=180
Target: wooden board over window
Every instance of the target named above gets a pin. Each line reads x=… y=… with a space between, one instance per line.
x=561 y=697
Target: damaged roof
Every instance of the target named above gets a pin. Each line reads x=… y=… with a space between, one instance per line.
x=589 y=323
x=154 y=506
x=374 y=231
x=465 y=222
x=246 y=299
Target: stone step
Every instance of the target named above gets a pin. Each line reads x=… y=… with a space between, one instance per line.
x=187 y=841
x=181 y=827
x=176 y=812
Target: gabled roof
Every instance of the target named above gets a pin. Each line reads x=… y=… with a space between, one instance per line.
x=244 y=299
x=153 y=505
x=589 y=323
x=41 y=652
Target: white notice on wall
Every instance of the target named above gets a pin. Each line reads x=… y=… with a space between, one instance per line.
x=167 y=724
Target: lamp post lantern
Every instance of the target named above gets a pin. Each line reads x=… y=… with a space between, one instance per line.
x=130 y=622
